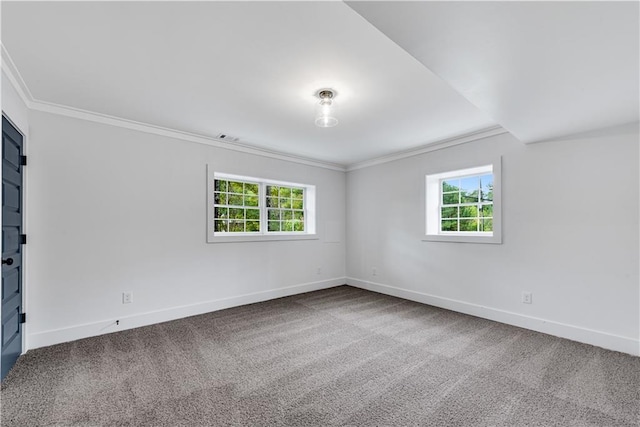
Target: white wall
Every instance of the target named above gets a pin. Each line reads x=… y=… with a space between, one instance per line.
x=12 y=105
x=113 y=210
x=570 y=236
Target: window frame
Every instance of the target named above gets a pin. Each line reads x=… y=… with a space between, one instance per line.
x=479 y=204
x=433 y=197
x=262 y=235
x=244 y=207
x=265 y=186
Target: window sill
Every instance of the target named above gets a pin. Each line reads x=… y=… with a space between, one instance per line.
x=456 y=238
x=262 y=238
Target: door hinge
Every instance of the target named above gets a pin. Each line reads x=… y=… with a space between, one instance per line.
x=23 y=239
x=23 y=160
x=23 y=317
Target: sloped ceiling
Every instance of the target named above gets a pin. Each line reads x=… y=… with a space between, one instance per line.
x=407 y=74
x=539 y=69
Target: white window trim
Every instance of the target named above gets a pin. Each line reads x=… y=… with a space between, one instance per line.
x=309 y=216
x=432 y=204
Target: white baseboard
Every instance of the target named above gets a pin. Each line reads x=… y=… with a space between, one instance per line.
x=57 y=336
x=575 y=333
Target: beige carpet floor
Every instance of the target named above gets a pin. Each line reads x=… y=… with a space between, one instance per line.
x=337 y=357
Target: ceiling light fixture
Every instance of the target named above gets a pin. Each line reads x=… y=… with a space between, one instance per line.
x=325 y=114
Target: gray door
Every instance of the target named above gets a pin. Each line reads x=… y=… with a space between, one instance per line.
x=12 y=239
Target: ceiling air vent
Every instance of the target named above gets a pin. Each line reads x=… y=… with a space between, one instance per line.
x=227 y=137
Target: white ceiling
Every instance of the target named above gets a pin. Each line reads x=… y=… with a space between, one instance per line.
x=539 y=69
x=250 y=69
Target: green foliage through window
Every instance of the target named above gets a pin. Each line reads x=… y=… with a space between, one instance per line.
x=237 y=207
x=466 y=204
x=285 y=208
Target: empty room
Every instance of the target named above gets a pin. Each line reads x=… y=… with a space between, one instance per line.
x=320 y=213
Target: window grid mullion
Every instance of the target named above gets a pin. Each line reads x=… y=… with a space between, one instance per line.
x=286 y=214
x=262 y=203
x=478 y=205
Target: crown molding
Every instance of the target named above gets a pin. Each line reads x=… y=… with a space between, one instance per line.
x=11 y=71
x=437 y=145
x=77 y=113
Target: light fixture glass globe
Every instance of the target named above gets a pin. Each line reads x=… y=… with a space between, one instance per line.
x=325 y=114
x=326 y=122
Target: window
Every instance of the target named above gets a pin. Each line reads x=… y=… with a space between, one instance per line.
x=236 y=206
x=243 y=208
x=285 y=208
x=464 y=205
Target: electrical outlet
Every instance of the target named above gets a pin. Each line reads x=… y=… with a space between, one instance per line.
x=527 y=297
x=374 y=271
x=319 y=270
x=127 y=297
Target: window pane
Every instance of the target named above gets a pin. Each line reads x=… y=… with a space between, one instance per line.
x=297 y=193
x=273 y=202
x=469 y=197
x=236 y=226
x=220 y=185
x=470 y=184
x=221 y=213
x=287 y=215
x=251 y=200
x=450 y=185
x=298 y=226
x=468 y=211
x=449 y=225
x=251 y=189
x=253 y=213
x=450 y=198
x=236 y=213
x=273 y=214
x=220 y=198
x=220 y=226
x=468 y=225
x=449 y=212
x=486 y=182
x=274 y=225
x=487 y=210
x=297 y=204
x=235 y=200
x=285 y=192
x=253 y=226
x=235 y=187
x=487 y=224
x=298 y=215
x=272 y=190
x=287 y=226
x=285 y=203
